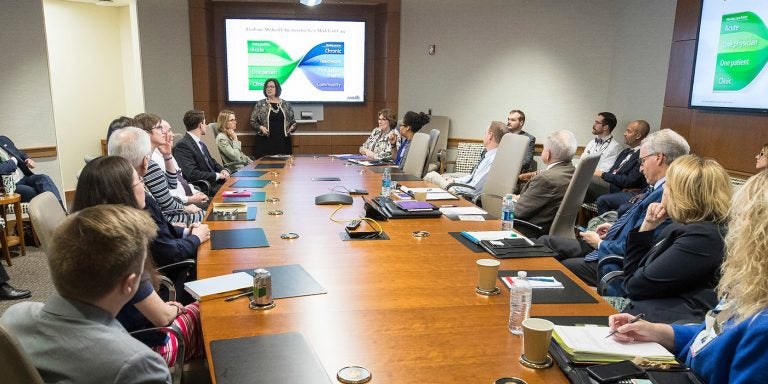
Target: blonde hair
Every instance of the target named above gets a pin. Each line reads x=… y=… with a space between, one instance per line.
x=746 y=257
x=221 y=120
x=699 y=189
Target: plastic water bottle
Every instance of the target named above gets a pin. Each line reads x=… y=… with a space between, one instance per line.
x=519 y=303
x=507 y=212
x=386 y=182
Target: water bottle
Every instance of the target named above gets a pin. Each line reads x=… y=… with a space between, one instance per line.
x=507 y=212
x=386 y=182
x=519 y=303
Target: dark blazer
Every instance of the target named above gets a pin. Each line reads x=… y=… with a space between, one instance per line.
x=673 y=279
x=192 y=161
x=628 y=176
x=541 y=196
x=8 y=166
x=170 y=246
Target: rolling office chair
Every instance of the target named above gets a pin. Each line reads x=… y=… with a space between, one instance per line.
x=417 y=155
x=434 y=136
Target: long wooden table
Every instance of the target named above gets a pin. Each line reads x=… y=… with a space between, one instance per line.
x=404 y=308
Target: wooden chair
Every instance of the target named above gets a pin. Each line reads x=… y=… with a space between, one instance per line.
x=16 y=366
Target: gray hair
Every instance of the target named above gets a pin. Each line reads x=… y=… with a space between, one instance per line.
x=668 y=143
x=130 y=143
x=562 y=145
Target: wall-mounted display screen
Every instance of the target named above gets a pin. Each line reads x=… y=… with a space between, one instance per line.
x=731 y=56
x=315 y=61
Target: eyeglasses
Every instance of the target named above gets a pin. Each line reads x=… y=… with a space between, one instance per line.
x=232 y=119
x=161 y=128
x=599 y=122
x=642 y=158
x=382 y=119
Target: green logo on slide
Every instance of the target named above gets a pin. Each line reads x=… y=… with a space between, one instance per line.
x=267 y=60
x=742 y=52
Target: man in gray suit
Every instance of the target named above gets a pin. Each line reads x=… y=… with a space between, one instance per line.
x=540 y=198
x=96 y=263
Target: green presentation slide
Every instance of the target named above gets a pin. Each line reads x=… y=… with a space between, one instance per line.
x=742 y=51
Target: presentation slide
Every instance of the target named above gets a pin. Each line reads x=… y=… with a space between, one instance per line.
x=731 y=55
x=314 y=61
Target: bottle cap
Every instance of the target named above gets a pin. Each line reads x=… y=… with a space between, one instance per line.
x=522 y=274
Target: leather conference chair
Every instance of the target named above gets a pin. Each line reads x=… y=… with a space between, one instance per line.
x=210 y=141
x=429 y=165
x=566 y=215
x=417 y=155
x=46 y=213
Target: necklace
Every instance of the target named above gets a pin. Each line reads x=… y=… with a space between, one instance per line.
x=274 y=107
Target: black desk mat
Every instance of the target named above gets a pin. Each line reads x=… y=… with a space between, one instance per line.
x=249 y=215
x=248 y=173
x=269 y=165
x=290 y=281
x=405 y=177
x=537 y=251
x=238 y=238
x=255 y=197
x=249 y=183
x=570 y=294
x=466 y=242
x=267 y=359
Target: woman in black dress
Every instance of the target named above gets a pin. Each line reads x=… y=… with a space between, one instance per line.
x=273 y=120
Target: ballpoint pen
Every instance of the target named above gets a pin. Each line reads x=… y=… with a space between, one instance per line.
x=239 y=295
x=634 y=319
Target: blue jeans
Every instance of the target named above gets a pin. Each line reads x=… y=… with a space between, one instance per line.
x=30 y=186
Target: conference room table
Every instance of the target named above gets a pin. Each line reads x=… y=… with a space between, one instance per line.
x=404 y=308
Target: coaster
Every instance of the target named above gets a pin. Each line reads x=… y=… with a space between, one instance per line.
x=510 y=380
x=495 y=291
x=546 y=364
x=354 y=375
x=271 y=305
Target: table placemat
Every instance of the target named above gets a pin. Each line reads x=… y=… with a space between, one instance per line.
x=238 y=238
x=267 y=359
x=290 y=281
x=249 y=183
x=269 y=165
x=249 y=173
x=405 y=177
x=256 y=197
x=570 y=293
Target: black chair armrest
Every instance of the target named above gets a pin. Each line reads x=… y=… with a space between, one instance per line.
x=203 y=185
x=603 y=283
x=610 y=259
x=179 y=364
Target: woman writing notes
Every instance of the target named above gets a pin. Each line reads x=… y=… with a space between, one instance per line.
x=412 y=123
x=230 y=147
x=273 y=120
x=729 y=347
x=379 y=144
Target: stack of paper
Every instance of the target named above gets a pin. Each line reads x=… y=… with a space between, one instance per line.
x=535 y=281
x=432 y=193
x=590 y=344
x=477 y=236
x=218 y=286
x=230 y=208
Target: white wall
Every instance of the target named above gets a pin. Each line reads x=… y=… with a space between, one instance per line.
x=86 y=66
x=559 y=61
x=26 y=110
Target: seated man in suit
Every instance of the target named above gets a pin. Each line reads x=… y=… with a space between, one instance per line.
x=96 y=260
x=14 y=161
x=193 y=155
x=624 y=180
x=515 y=123
x=581 y=256
x=476 y=179
x=540 y=198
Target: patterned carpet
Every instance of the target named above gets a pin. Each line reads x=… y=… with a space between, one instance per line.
x=29 y=272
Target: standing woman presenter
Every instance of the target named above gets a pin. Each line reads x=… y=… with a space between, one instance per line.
x=274 y=121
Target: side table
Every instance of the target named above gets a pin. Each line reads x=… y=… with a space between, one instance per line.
x=11 y=241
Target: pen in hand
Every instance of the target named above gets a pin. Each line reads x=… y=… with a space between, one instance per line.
x=634 y=319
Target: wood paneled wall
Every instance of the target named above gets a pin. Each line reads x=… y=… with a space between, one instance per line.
x=382 y=19
x=733 y=138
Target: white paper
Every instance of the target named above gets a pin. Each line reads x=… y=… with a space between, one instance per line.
x=462 y=211
x=471 y=218
x=594 y=340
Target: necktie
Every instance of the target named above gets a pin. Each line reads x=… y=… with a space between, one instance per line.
x=626 y=158
x=206 y=156
x=482 y=156
x=598 y=141
x=183 y=182
x=619 y=224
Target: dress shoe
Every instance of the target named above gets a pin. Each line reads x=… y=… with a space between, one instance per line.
x=10 y=293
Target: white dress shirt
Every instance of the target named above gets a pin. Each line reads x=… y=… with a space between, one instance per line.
x=610 y=149
x=477 y=178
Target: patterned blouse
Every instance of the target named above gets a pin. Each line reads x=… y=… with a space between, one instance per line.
x=159 y=184
x=379 y=144
x=260 y=116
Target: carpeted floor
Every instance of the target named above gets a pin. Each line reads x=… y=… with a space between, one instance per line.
x=29 y=272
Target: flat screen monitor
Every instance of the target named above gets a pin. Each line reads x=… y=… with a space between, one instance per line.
x=314 y=61
x=730 y=69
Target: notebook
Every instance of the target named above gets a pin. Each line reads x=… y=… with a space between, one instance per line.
x=213 y=287
x=414 y=205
